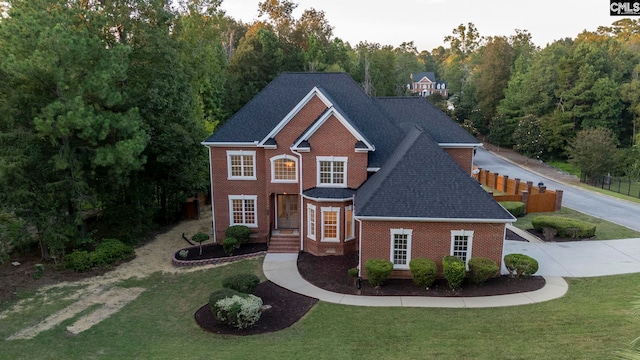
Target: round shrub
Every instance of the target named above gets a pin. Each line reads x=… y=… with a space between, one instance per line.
x=454 y=271
x=110 y=251
x=378 y=270
x=244 y=283
x=240 y=232
x=229 y=244
x=520 y=265
x=78 y=261
x=566 y=227
x=516 y=208
x=238 y=311
x=220 y=294
x=353 y=272
x=423 y=271
x=482 y=269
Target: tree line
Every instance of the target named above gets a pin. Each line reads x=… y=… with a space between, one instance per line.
x=104 y=103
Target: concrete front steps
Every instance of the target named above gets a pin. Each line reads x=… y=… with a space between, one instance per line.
x=284 y=244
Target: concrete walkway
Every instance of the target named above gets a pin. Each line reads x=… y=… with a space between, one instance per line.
x=282 y=269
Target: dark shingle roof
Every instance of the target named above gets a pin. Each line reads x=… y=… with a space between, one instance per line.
x=429 y=74
x=329 y=193
x=263 y=113
x=415 y=110
x=420 y=180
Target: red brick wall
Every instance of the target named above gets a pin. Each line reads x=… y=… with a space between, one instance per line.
x=463 y=156
x=430 y=240
x=318 y=247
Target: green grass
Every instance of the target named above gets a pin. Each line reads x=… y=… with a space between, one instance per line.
x=610 y=193
x=565 y=166
x=605 y=230
x=592 y=321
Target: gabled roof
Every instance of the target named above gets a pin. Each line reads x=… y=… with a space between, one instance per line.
x=260 y=116
x=428 y=74
x=420 y=181
x=408 y=111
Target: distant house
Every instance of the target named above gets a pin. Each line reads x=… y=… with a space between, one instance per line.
x=425 y=84
x=314 y=164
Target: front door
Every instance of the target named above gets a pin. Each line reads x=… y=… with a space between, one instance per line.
x=287 y=207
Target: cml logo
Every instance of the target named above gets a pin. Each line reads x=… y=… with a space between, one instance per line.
x=624 y=8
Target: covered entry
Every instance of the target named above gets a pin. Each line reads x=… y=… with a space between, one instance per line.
x=287 y=210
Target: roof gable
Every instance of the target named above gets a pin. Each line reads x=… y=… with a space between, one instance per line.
x=429 y=75
x=343 y=120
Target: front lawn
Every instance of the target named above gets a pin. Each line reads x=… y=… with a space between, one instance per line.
x=605 y=230
x=592 y=321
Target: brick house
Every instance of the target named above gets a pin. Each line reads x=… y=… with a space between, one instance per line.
x=313 y=164
x=425 y=83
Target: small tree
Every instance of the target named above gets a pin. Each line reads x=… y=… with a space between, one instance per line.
x=593 y=151
x=200 y=238
x=528 y=137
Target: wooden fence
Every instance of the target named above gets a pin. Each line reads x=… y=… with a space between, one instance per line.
x=536 y=198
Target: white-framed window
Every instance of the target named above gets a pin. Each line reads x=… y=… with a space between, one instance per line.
x=461 y=244
x=311 y=221
x=400 y=248
x=330 y=224
x=243 y=210
x=349 y=224
x=284 y=169
x=332 y=171
x=241 y=165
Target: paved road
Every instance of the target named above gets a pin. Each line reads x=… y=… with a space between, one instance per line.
x=618 y=211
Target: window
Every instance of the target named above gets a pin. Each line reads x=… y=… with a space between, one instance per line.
x=349 y=225
x=332 y=171
x=330 y=224
x=311 y=221
x=401 y=248
x=461 y=244
x=243 y=210
x=284 y=169
x=241 y=165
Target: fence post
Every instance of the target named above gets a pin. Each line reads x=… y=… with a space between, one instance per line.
x=516 y=189
x=495 y=180
x=529 y=186
x=525 y=200
x=558 y=205
x=505 y=179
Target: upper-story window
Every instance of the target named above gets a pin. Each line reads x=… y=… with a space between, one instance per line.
x=284 y=169
x=241 y=165
x=332 y=171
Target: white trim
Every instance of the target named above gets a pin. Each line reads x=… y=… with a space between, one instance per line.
x=255 y=206
x=314 y=92
x=446 y=220
x=240 y=153
x=229 y=144
x=301 y=202
x=213 y=204
x=373 y=169
x=310 y=208
x=333 y=111
x=273 y=173
x=359 y=246
x=394 y=232
x=353 y=224
x=469 y=235
x=459 y=145
x=332 y=159
x=324 y=210
x=327 y=199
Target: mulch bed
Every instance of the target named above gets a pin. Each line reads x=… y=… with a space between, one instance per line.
x=286 y=309
x=210 y=251
x=330 y=273
x=513 y=236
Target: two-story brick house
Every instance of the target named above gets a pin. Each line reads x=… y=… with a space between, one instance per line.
x=314 y=164
x=425 y=84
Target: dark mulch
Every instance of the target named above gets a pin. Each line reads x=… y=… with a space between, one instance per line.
x=513 y=236
x=541 y=236
x=211 y=251
x=330 y=273
x=286 y=308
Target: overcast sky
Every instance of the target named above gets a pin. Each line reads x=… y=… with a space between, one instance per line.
x=427 y=22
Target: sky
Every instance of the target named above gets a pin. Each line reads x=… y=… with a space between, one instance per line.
x=427 y=22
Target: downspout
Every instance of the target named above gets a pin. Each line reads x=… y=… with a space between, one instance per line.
x=213 y=218
x=359 y=247
x=301 y=200
x=503 y=268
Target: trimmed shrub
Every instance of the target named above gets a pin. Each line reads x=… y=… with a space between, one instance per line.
x=454 y=271
x=239 y=232
x=423 y=271
x=110 y=251
x=229 y=244
x=566 y=227
x=238 y=311
x=78 y=261
x=520 y=265
x=200 y=238
x=244 y=283
x=482 y=269
x=516 y=208
x=220 y=294
x=353 y=272
x=378 y=270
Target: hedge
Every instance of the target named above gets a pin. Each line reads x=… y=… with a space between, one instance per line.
x=566 y=227
x=240 y=232
x=423 y=271
x=454 y=270
x=229 y=244
x=378 y=270
x=106 y=253
x=520 y=265
x=516 y=208
x=482 y=269
x=243 y=282
x=220 y=294
x=238 y=311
